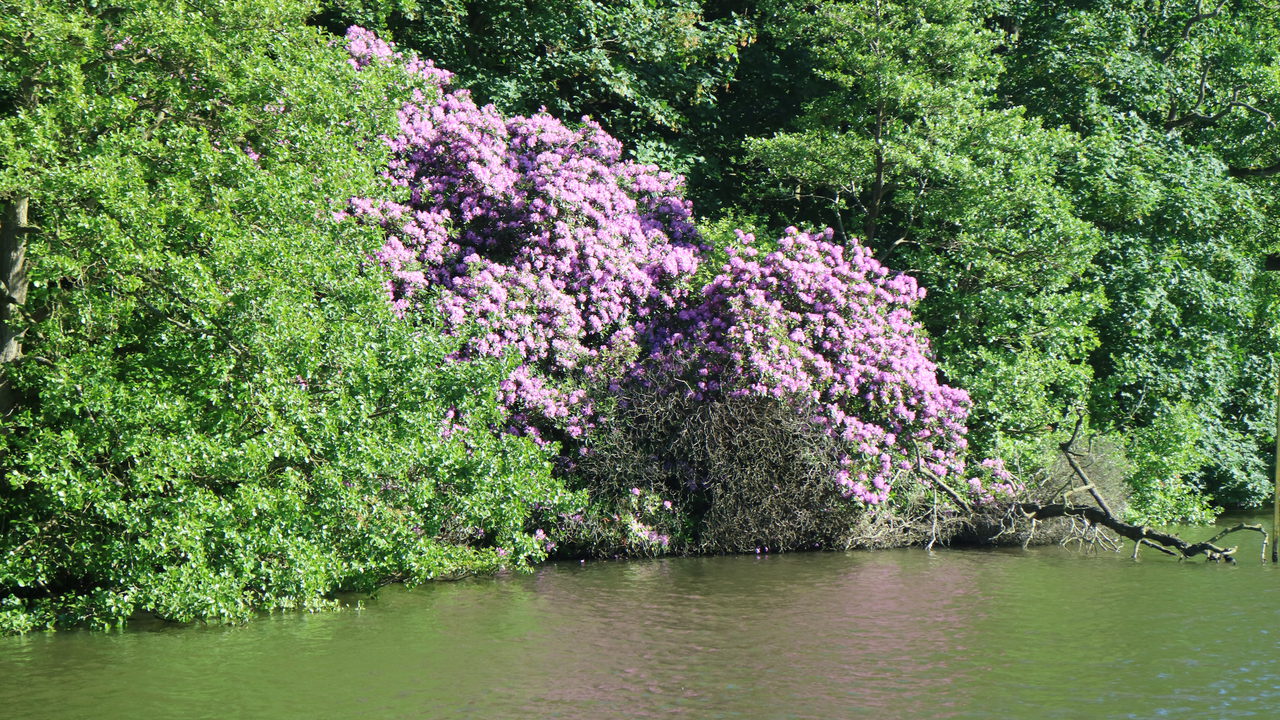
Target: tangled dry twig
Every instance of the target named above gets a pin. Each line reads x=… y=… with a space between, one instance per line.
x=1090 y=523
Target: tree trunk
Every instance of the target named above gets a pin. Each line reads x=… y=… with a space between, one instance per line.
x=13 y=291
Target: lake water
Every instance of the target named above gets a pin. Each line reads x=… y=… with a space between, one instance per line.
x=957 y=633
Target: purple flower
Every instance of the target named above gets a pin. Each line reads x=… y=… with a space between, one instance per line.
x=535 y=239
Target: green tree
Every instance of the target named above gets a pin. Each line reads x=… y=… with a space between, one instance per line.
x=905 y=144
x=1177 y=102
x=645 y=69
x=214 y=409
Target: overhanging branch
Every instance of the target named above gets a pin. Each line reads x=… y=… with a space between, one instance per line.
x=1267 y=171
x=1194 y=20
x=1139 y=533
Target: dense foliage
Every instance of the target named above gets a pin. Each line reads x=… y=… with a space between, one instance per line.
x=539 y=241
x=1087 y=189
x=647 y=69
x=1176 y=105
x=219 y=411
x=904 y=146
x=536 y=235
x=285 y=311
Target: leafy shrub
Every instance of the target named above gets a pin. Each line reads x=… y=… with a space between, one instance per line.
x=219 y=411
x=829 y=328
x=1166 y=455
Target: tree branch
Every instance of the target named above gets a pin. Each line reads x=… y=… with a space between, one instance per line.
x=1195 y=118
x=1136 y=533
x=1079 y=471
x=1267 y=171
x=1102 y=516
x=1196 y=19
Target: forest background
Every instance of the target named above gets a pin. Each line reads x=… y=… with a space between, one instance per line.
x=207 y=410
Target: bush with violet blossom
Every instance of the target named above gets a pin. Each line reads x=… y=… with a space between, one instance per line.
x=796 y=392
x=530 y=238
x=537 y=240
x=828 y=325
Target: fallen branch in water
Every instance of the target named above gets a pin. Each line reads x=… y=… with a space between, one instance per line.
x=1089 y=521
x=1102 y=516
x=1140 y=534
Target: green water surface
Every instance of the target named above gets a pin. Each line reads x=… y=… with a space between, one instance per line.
x=1006 y=633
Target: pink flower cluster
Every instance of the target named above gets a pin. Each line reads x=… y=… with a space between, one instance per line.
x=534 y=239
x=827 y=324
x=366 y=48
x=994 y=482
x=530 y=237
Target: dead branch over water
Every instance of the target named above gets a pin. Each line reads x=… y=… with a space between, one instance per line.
x=1089 y=522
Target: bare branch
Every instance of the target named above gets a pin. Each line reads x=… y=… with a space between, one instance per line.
x=1171 y=118
x=1138 y=546
x=1244 y=526
x=1196 y=19
x=1136 y=533
x=1070 y=455
x=1195 y=118
x=1267 y=171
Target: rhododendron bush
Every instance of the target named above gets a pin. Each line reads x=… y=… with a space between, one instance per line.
x=533 y=238
x=536 y=239
x=819 y=321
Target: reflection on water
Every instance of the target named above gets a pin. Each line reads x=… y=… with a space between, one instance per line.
x=1043 y=633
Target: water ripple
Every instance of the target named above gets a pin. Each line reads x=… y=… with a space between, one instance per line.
x=904 y=634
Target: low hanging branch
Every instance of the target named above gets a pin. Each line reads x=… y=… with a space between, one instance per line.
x=1101 y=516
x=1141 y=534
x=1255 y=172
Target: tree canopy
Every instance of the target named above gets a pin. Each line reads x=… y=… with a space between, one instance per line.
x=299 y=297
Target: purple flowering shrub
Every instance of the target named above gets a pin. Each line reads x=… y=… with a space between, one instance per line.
x=828 y=324
x=538 y=242
x=530 y=238
x=993 y=481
